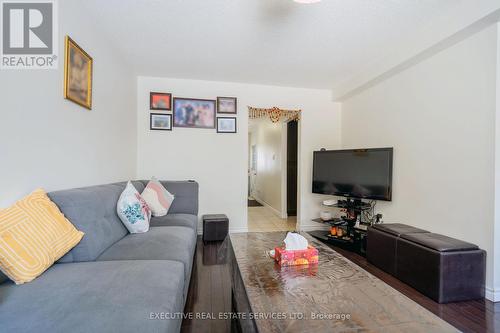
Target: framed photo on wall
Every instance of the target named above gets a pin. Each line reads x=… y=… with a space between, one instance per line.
x=160 y=101
x=227 y=105
x=160 y=122
x=226 y=124
x=77 y=74
x=194 y=113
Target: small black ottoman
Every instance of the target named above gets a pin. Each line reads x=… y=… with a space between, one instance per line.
x=440 y=267
x=381 y=244
x=215 y=227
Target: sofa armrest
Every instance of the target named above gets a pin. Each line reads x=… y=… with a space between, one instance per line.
x=186 y=196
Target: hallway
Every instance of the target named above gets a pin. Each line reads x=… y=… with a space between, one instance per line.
x=262 y=219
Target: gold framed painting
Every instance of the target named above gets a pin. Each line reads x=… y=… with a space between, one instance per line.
x=77 y=74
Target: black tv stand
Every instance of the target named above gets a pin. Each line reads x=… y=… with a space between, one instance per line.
x=354 y=238
x=356 y=242
x=353 y=203
x=353 y=208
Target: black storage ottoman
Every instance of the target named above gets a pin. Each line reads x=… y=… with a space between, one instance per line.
x=440 y=267
x=215 y=227
x=382 y=242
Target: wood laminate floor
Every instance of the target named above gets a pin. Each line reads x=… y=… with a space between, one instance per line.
x=470 y=316
x=210 y=295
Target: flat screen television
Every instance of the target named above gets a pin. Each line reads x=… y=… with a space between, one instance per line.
x=354 y=173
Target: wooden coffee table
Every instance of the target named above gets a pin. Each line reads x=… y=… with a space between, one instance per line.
x=335 y=295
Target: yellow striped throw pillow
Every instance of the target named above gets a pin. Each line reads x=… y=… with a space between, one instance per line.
x=33 y=235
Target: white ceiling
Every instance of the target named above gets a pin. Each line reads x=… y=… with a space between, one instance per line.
x=275 y=42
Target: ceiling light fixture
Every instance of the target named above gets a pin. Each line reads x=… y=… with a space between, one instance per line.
x=307 y=1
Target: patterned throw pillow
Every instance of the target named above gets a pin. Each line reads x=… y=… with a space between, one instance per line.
x=157 y=197
x=133 y=210
x=33 y=235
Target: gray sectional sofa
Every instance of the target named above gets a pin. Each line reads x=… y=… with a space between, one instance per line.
x=112 y=281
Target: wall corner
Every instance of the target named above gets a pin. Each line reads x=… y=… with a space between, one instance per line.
x=494 y=294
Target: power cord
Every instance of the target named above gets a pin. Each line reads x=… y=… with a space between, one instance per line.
x=368 y=216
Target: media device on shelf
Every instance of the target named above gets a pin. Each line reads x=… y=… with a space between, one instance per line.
x=326 y=215
x=329 y=202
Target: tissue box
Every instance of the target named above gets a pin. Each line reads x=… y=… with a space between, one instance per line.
x=296 y=257
x=292 y=272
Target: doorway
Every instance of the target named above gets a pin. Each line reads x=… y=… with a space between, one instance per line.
x=292 y=136
x=272 y=175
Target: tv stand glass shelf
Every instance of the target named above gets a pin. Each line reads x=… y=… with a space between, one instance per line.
x=354 y=205
x=344 y=234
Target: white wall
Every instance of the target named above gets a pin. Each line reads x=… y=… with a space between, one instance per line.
x=497 y=172
x=219 y=161
x=49 y=142
x=440 y=117
x=267 y=181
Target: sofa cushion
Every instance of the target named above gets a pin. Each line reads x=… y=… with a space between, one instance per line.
x=93 y=211
x=133 y=210
x=157 y=197
x=180 y=220
x=96 y=297
x=186 y=196
x=159 y=243
x=439 y=242
x=33 y=235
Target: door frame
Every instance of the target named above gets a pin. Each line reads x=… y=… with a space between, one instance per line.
x=284 y=168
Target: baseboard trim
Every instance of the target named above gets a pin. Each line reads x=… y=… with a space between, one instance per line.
x=274 y=210
x=231 y=230
x=238 y=230
x=492 y=295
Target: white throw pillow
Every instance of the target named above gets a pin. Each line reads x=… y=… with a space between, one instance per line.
x=157 y=197
x=133 y=210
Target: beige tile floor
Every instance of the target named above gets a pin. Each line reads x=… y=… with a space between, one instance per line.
x=263 y=219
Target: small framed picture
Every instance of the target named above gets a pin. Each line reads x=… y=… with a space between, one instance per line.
x=160 y=101
x=226 y=124
x=77 y=74
x=160 y=122
x=194 y=113
x=227 y=105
